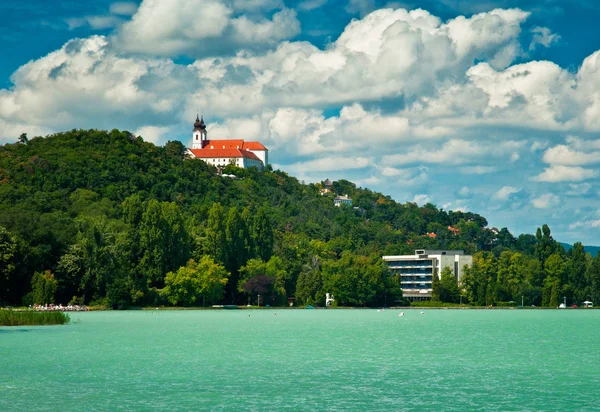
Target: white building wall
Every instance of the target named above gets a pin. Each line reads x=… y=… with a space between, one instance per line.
x=263 y=155
x=197 y=140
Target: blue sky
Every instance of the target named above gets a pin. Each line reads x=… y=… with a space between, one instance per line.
x=491 y=107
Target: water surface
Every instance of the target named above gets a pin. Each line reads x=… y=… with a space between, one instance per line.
x=305 y=360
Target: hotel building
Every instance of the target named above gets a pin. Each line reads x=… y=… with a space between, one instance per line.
x=416 y=271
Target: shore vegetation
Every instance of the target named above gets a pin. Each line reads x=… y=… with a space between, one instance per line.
x=32 y=318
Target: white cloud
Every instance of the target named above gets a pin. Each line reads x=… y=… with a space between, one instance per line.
x=152 y=134
x=404 y=177
x=545 y=201
x=453 y=152
x=197 y=27
x=478 y=170
x=361 y=7
x=100 y=22
x=505 y=192
x=564 y=155
x=421 y=199
x=123 y=8
x=579 y=189
x=307 y=5
x=327 y=164
x=537 y=145
x=543 y=36
x=559 y=173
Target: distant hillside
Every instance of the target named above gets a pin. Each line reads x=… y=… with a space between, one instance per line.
x=593 y=250
x=92 y=216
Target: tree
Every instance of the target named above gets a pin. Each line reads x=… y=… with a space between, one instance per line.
x=196 y=282
x=448 y=287
x=576 y=268
x=8 y=249
x=164 y=241
x=264 y=278
x=44 y=287
x=215 y=234
x=545 y=244
x=309 y=287
x=357 y=280
x=262 y=234
x=594 y=276
x=236 y=252
x=435 y=287
x=23 y=138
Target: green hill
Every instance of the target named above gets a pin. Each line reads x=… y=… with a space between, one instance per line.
x=114 y=220
x=592 y=250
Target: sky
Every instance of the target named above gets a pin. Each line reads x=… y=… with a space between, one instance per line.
x=491 y=107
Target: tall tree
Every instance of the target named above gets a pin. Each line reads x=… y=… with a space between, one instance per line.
x=164 y=241
x=545 y=244
x=448 y=287
x=215 y=234
x=44 y=287
x=435 y=287
x=262 y=233
x=8 y=250
x=576 y=269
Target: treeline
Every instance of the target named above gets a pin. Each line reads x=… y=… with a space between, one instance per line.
x=548 y=277
x=99 y=217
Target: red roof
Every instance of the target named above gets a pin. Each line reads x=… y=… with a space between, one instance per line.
x=208 y=153
x=233 y=144
x=254 y=146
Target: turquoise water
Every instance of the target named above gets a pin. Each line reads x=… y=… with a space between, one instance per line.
x=305 y=360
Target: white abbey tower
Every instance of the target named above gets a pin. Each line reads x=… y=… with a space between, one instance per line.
x=200 y=136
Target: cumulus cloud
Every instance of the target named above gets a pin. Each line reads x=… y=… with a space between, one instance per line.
x=200 y=27
x=543 y=36
x=152 y=133
x=505 y=192
x=564 y=155
x=545 y=201
x=421 y=199
x=559 y=173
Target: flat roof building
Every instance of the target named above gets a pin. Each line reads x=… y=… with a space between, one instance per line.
x=416 y=271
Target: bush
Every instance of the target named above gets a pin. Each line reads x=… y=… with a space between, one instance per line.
x=434 y=304
x=20 y=318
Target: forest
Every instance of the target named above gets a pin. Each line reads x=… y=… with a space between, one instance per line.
x=104 y=218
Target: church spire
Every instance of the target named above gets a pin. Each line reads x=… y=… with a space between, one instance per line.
x=199 y=123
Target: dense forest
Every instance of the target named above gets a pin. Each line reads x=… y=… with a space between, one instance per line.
x=104 y=218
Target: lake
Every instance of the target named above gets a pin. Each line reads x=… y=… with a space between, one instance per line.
x=305 y=360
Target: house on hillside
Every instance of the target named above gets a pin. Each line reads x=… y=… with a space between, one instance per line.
x=220 y=152
x=342 y=200
x=326 y=187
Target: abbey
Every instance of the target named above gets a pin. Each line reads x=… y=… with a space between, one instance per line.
x=220 y=153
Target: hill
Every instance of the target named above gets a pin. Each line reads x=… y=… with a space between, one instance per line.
x=592 y=250
x=104 y=217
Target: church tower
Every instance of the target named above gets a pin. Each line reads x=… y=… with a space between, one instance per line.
x=199 y=136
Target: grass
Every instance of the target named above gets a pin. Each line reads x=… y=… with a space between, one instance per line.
x=21 y=318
